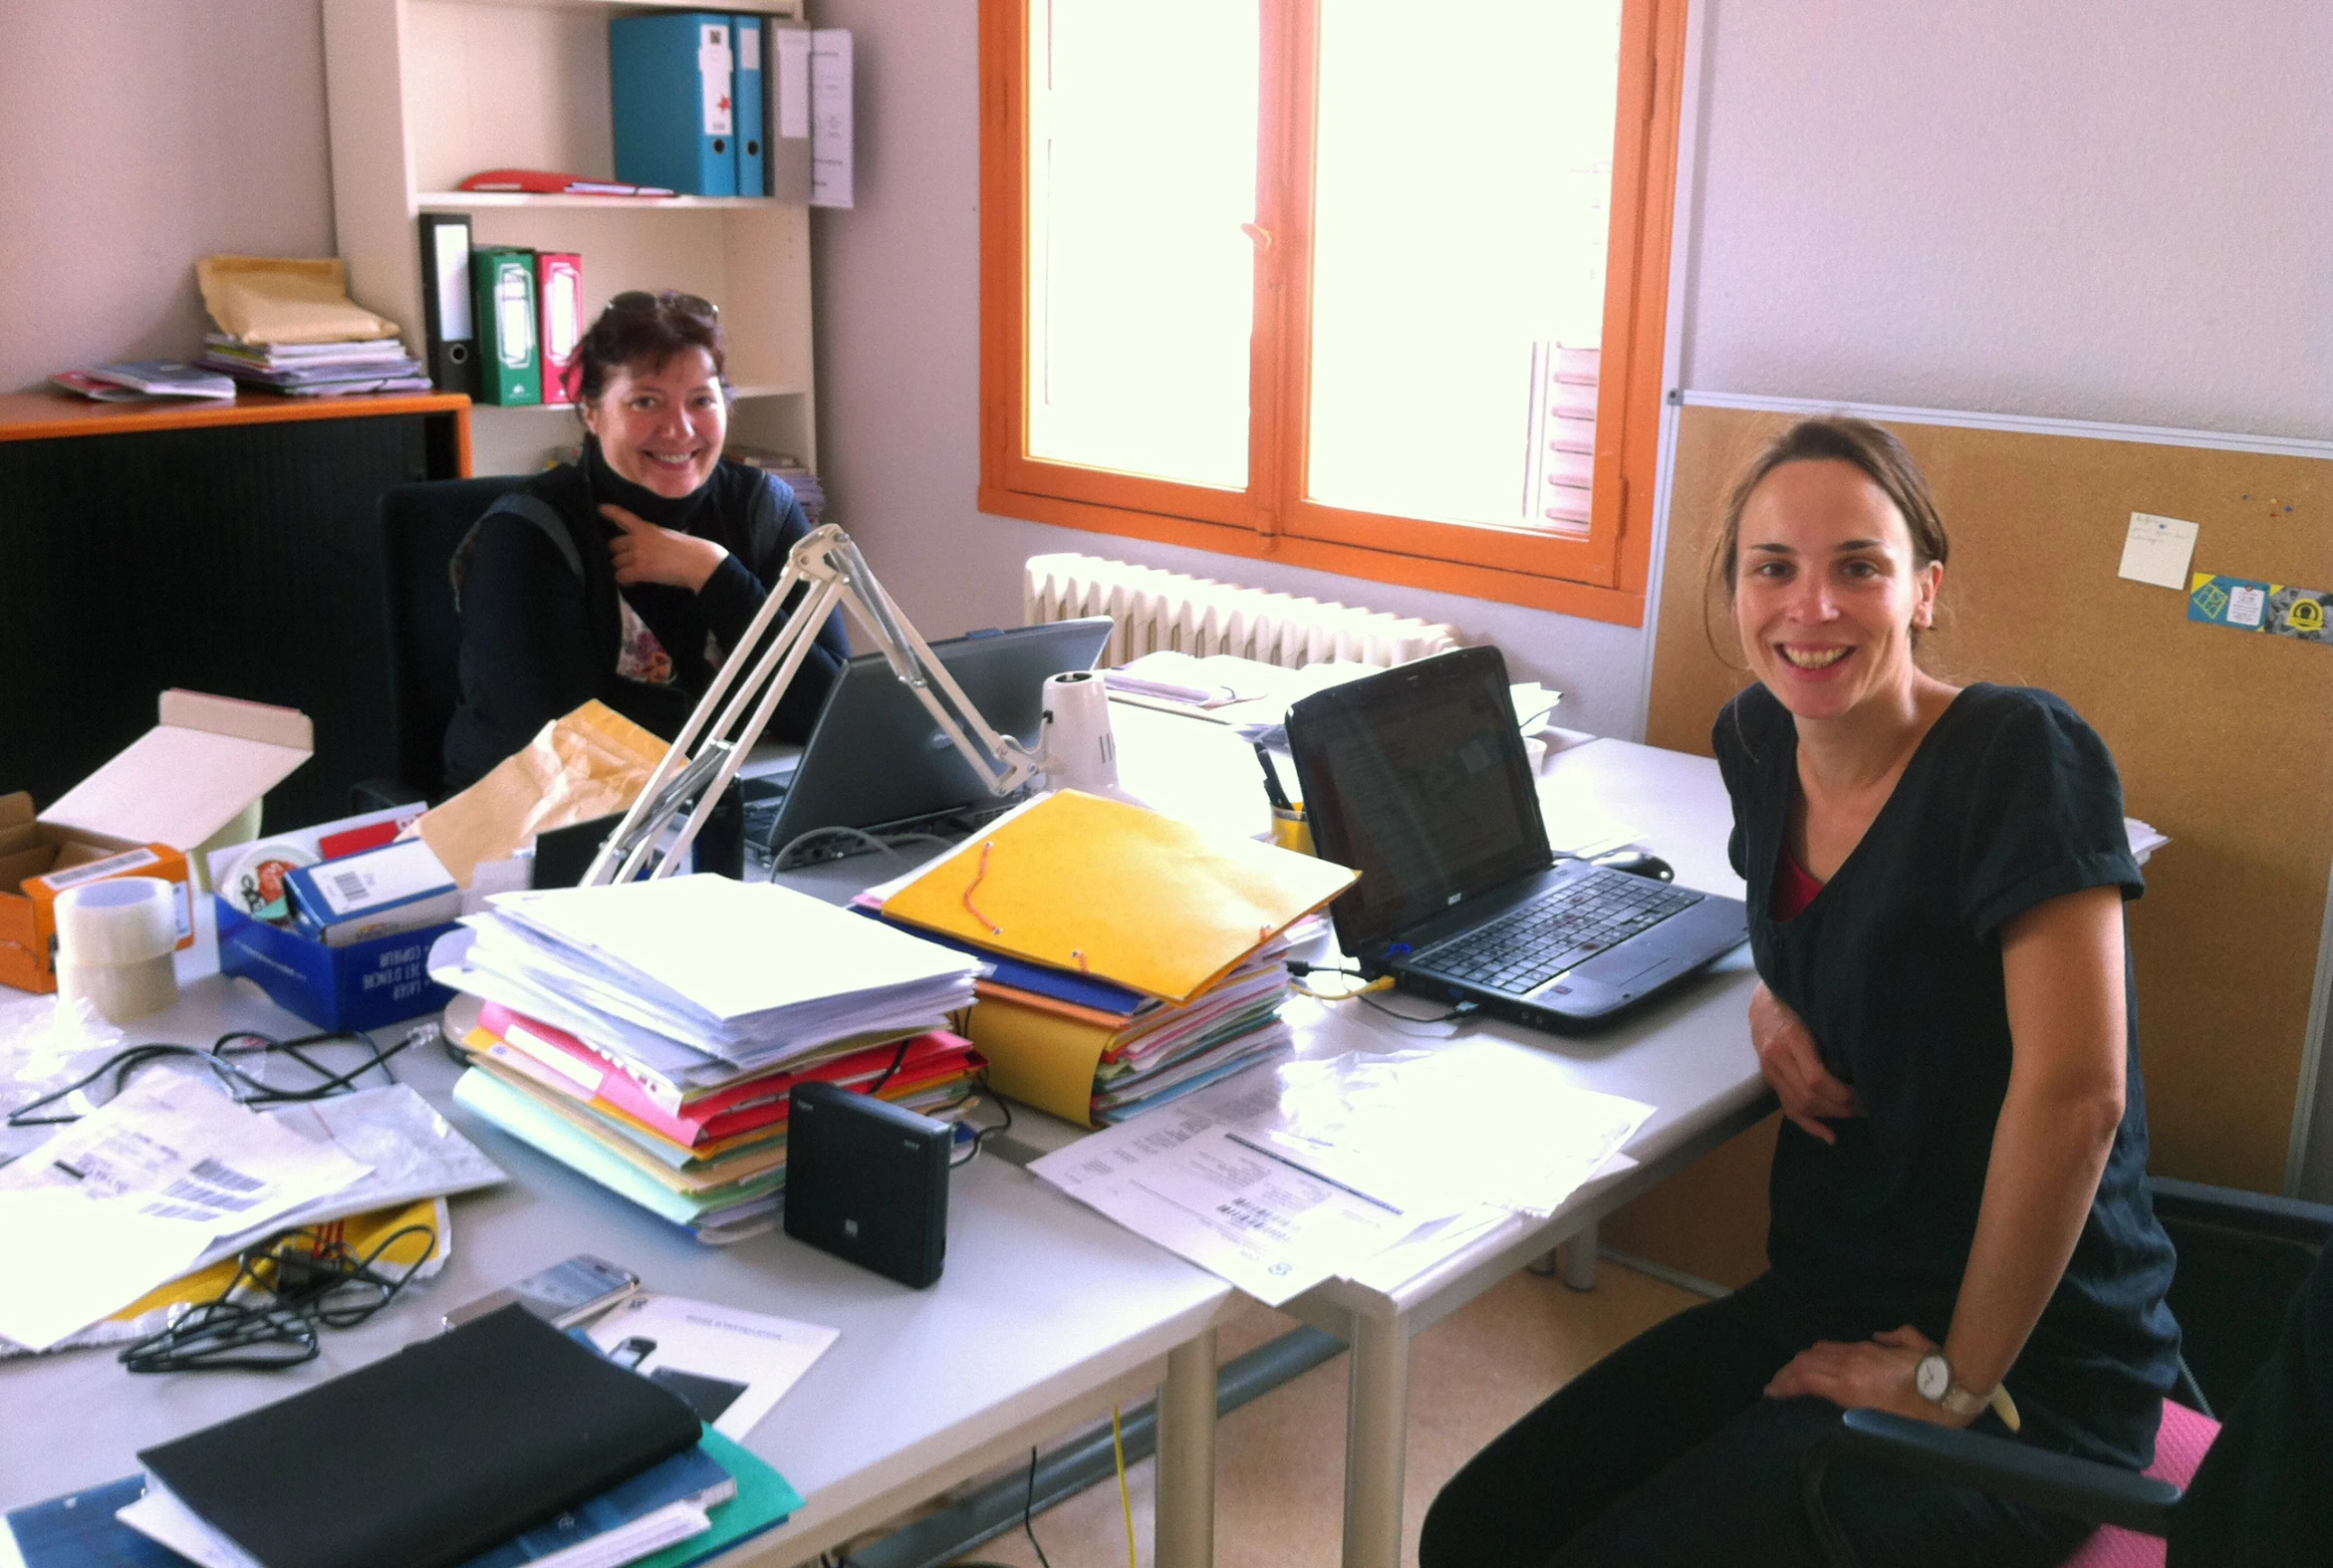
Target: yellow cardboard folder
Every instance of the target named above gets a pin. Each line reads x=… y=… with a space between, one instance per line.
x=1040 y=1055
x=1111 y=890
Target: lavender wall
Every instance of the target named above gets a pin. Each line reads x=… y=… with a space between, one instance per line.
x=2115 y=210
x=135 y=137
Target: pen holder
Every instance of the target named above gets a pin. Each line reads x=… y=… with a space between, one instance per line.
x=1292 y=829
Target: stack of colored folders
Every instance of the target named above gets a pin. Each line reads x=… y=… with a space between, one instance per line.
x=1133 y=957
x=649 y=1034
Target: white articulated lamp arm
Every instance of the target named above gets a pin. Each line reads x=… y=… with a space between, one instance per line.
x=714 y=744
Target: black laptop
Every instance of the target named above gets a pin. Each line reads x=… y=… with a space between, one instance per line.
x=1418 y=778
x=876 y=757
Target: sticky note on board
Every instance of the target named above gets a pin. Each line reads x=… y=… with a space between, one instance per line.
x=2158 y=550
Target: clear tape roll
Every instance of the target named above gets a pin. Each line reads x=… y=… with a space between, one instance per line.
x=1078 y=749
x=114 y=944
x=122 y=919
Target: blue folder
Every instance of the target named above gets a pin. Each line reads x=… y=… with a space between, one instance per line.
x=753 y=127
x=674 y=82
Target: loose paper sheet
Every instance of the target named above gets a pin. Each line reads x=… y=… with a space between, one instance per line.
x=2158 y=550
x=741 y=1362
x=1277 y=1178
x=130 y=1195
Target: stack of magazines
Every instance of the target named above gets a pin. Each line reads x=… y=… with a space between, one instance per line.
x=316 y=369
x=649 y=1034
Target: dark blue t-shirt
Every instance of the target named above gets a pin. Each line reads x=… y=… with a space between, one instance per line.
x=2010 y=800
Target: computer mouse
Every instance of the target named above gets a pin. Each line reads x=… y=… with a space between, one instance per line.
x=1637 y=863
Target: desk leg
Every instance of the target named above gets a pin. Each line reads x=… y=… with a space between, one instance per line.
x=1578 y=1259
x=1377 y=1435
x=1184 y=1525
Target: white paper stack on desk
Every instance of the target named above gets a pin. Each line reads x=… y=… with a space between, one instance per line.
x=657 y=1025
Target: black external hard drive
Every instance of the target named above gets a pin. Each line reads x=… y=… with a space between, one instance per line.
x=868 y=1182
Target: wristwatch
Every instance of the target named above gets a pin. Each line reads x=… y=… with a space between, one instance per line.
x=1933 y=1380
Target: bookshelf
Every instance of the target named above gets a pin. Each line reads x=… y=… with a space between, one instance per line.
x=423 y=94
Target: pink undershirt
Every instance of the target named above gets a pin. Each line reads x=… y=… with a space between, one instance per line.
x=1794 y=888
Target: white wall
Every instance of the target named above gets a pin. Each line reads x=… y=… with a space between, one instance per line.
x=135 y=137
x=898 y=377
x=2097 y=209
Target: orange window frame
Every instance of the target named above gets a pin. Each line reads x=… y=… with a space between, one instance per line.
x=1601 y=575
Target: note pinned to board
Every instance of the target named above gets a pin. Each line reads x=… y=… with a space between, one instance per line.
x=2159 y=550
x=2280 y=608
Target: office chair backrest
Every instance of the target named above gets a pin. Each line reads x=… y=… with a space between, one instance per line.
x=421 y=524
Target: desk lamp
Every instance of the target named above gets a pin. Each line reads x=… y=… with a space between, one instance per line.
x=714 y=744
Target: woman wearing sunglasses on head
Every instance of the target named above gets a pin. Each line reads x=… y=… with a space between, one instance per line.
x=1960 y=1225
x=631 y=575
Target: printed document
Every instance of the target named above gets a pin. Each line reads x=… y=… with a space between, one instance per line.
x=129 y=1196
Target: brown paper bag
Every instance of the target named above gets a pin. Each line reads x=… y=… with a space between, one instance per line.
x=592 y=762
x=281 y=299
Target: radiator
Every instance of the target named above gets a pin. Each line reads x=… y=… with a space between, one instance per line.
x=1157 y=610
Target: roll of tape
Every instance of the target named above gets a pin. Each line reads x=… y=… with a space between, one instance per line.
x=1077 y=748
x=119 y=991
x=122 y=919
x=253 y=881
x=114 y=944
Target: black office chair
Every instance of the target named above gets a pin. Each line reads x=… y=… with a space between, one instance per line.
x=421 y=524
x=2254 y=1298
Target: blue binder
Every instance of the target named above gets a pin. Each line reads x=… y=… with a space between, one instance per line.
x=754 y=125
x=673 y=80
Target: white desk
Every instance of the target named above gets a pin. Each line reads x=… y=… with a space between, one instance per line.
x=1046 y=1316
x=1689 y=1054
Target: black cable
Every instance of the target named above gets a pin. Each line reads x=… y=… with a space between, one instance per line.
x=1028 y=1507
x=980 y=1136
x=897 y=1062
x=125 y=1062
x=301 y=1289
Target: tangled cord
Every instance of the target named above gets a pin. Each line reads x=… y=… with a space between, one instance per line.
x=284 y=1291
x=245 y=1088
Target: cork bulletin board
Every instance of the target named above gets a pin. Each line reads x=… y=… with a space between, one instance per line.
x=2225 y=737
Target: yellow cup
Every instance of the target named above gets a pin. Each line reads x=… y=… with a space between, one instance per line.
x=1292 y=829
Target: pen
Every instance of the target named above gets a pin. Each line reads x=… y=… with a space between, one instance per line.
x=1273 y=790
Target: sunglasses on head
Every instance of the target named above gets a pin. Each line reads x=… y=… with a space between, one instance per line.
x=687 y=304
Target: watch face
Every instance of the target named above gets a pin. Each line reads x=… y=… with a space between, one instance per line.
x=1932 y=1378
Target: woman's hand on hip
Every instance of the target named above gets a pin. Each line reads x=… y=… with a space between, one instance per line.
x=1872 y=1374
x=645 y=553
x=1793 y=1066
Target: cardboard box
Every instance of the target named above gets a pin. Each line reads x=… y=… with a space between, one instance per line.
x=362 y=985
x=175 y=787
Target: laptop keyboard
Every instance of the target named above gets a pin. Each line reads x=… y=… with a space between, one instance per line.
x=1563 y=926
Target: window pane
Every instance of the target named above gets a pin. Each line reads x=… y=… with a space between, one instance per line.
x=1461 y=201
x=1143 y=167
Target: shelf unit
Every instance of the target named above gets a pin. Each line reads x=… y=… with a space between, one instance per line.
x=423 y=93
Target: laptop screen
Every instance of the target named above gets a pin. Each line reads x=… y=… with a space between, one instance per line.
x=1418 y=780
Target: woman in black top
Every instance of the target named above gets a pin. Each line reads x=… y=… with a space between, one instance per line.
x=628 y=577
x=1960 y=1225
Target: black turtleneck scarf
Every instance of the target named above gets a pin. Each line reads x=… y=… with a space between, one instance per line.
x=542 y=623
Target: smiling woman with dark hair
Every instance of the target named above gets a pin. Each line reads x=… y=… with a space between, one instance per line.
x=631 y=575
x=1962 y=1230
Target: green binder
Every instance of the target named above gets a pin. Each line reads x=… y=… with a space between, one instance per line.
x=510 y=360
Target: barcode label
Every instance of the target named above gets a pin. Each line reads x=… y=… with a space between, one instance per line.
x=351 y=886
x=97 y=871
x=378 y=877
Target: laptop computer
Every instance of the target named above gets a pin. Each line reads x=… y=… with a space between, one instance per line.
x=876 y=758
x=1418 y=778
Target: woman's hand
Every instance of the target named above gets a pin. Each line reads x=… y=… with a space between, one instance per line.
x=1793 y=1066
x=645 y=553
x=1872 y=1374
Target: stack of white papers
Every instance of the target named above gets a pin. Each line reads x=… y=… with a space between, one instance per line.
x=733 y=975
